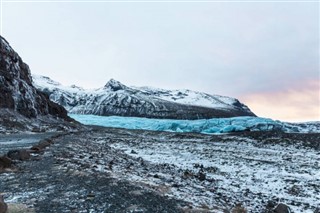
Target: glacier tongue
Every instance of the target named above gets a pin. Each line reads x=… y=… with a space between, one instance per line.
x=206 y=126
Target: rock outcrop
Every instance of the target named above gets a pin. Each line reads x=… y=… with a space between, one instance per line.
x=16 y=90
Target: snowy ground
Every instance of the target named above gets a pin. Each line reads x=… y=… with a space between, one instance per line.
x=211 y=173
x=245 y=174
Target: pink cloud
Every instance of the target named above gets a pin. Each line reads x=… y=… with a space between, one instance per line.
x=299 y=103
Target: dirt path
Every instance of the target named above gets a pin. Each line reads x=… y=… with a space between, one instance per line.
x=22 y=140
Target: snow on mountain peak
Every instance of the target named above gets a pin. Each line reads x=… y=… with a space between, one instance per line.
x=44 y=81
x=116 y=98
x=115 y=85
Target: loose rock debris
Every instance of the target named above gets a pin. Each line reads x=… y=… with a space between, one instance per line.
x=116 y=170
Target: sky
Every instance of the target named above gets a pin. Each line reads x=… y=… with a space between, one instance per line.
x=264 y=53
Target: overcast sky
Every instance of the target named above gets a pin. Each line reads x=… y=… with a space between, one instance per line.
x=265 y=54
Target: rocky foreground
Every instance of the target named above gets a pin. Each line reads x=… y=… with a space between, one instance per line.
x=117 y=170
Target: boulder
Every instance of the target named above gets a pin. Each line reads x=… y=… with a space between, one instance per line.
x=238 y=209
x=282 y=208
x=44 y=143
x=41 y=145
x=271 y=204
x=5 y=162
x=201 y=176
x=20 y=154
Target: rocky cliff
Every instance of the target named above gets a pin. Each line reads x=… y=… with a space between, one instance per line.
x=22 y=106
x=16 y=89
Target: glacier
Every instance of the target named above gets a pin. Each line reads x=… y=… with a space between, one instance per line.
x=206 y=126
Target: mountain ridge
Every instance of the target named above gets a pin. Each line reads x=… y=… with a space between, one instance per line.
x=116 y=98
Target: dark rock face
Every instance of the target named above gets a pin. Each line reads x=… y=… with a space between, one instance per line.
x=16 y=89
x=133 y=106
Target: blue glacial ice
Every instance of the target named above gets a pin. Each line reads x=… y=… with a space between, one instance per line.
x=208 y=126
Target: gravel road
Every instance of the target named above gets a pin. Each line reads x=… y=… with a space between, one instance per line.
x=22 y=140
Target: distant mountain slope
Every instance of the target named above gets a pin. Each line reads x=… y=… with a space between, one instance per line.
x=118 y=99
x=19 y=99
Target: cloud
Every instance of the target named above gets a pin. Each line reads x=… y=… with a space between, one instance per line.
x=300 y=103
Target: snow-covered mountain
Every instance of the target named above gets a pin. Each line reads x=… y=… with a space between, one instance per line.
x=118 y=99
